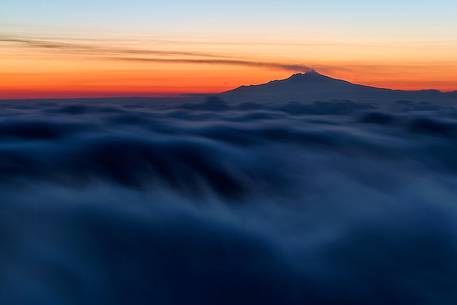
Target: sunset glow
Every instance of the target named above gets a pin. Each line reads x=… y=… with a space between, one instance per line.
x=43 y=54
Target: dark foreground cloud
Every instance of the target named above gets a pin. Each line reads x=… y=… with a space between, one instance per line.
x=128 y=202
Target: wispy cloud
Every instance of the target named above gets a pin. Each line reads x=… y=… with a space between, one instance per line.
x=149 y=55
x=229 y=62
x=96 y=49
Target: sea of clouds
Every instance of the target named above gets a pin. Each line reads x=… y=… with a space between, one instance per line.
x=131 y=202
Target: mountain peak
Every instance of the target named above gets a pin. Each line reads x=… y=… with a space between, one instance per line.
x=313 y=86
x=309 y=76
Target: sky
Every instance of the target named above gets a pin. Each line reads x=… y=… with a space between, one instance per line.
x=86 y=48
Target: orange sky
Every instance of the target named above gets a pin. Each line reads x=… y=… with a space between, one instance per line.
x=42 y=68
x=55 y=48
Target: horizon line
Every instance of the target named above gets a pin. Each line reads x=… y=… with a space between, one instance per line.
x=69 y=95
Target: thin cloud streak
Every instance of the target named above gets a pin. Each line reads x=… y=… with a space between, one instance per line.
x=84 y=48
x=125 y=55
x=229 y=62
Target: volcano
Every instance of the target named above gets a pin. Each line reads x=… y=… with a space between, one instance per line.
x=313 y=86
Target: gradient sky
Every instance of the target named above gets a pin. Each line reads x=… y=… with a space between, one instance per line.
x=97 y=48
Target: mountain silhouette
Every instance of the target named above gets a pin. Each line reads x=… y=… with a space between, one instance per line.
x=313 y=86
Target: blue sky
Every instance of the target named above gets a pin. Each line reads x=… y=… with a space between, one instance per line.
x=342 y=19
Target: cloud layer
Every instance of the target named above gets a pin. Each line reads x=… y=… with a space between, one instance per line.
x=136 y=201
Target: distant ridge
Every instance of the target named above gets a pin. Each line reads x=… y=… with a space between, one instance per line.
x=313 y=86
x=300 y=87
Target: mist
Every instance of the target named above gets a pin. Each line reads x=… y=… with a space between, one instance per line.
x=131 y=202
